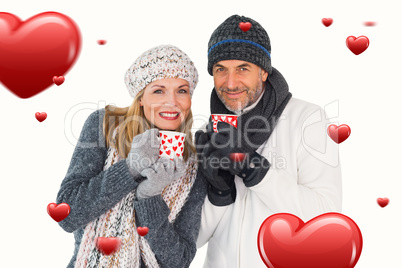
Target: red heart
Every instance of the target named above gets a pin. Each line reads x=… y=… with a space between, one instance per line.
x=237 y=157
x=327 y=21
x=339 y=134
x=357 y=45
x=170 y=141
x=331 y=240
x=32 y=51
x=142 y=230
x=178 y=155
x=168 y=152
x=58 y=80
x=174 y=148
x=383 y=202
x=164 y=136
x=101 y=42
x=41 y=116
x=182 y=138
x=369 y=23
x=180 y=143
x=182 y=149
x=58 y=212
x=160 y=152
x=164 y=147
x=108 y=245
x=245 y=26
x=177 y=137
x=163 y=142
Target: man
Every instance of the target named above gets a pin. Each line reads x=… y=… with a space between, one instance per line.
x=279 y=159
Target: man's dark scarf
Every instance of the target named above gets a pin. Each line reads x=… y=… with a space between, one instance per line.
x=262 y=119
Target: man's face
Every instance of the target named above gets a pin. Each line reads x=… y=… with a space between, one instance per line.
x=238 y=83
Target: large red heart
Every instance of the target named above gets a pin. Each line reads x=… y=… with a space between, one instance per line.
x=108 y=245
x=58 y=212
x=331 y=240
x=339 y=134
x=34 y=51
x=357 y=45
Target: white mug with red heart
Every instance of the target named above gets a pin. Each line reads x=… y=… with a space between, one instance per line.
x=171 y=144
x=228 y=118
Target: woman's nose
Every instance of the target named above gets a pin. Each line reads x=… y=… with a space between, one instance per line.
x=171 y=99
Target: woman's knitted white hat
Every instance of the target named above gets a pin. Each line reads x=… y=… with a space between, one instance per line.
x=165 y=61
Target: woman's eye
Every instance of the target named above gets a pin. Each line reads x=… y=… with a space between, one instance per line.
x=183 y=91
x=158 y=91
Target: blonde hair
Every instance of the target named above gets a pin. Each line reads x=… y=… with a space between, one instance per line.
x=132 y=122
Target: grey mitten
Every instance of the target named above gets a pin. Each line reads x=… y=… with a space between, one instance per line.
x=144 y=151
x=160 y=175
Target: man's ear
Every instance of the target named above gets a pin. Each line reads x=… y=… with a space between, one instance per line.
x=264 y=75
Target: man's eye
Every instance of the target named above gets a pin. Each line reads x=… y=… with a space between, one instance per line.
x=243 y=69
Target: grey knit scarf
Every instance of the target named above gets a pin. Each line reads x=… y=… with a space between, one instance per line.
x=258 y=124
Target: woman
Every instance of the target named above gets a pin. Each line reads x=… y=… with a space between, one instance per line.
x=116 y=181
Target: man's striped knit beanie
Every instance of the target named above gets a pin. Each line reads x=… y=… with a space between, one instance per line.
x=240 y=38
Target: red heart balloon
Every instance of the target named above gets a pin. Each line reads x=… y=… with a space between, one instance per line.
x=33 y=51
x=357 y=45
x=41 y=116
x=327 y=21
x=331 y=240
x=142 y=230
x=339 y=134
x=108 y=245
x=383 y=202
x=245 y=26
x=58 y=212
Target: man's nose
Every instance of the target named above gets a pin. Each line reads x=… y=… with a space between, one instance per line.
x=232 y=80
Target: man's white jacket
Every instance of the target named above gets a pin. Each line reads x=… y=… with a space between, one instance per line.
x=304 y=179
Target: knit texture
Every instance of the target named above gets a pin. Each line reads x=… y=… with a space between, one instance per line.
x=91 y=192
x=230 y=42
x=165 y=61
x=120 y=222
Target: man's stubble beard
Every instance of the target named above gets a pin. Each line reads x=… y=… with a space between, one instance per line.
x=249 y=100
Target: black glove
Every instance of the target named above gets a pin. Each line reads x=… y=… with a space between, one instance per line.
x=221 y=185
x=225 y=147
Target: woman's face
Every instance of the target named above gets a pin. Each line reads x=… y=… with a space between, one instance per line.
x=167 y=102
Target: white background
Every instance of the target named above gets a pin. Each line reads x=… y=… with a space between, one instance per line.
x=314 y=60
